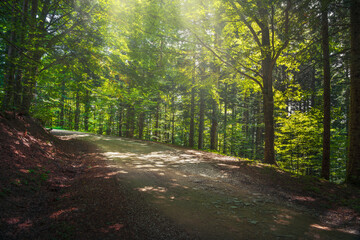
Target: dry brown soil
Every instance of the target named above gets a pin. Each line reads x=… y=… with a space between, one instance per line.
x=212 y=196
x=88 y=186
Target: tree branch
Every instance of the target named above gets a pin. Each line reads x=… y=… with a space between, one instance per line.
x=247 y=24
x=226 y=62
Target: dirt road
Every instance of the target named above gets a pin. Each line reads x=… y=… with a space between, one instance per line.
x=199 y=192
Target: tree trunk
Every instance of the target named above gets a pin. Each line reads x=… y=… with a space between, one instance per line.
x=20 y=71
x=225 y=118
x=156 y=133
x=173 y=121
x=164 y=136
x=259 y=132
x=62 y=104
x=268 y=98
x=192 y=118
x=214 y=126
x=120 y=119
x=77 y=110
x=130 y=121
x=141 y=124
x=9 y=79
x=233 y=120
x=87 y=110
x=110 y=121
x=353 y=167
x=325 y=170
x=173 y=128
x=201 y=119
x=32 y=69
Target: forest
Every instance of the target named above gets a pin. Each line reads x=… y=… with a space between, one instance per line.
x=276 y=81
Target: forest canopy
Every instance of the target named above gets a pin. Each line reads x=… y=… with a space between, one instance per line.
x=268 y=80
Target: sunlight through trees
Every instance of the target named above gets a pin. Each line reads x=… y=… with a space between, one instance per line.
x=262 y=80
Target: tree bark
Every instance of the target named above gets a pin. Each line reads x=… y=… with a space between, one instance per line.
x=120 y=116
x=192 y=118
x=201 y=119
x=268 y=96
x=214 y=126
x=173 y=120
x=225 y=118
x=110 y=121
x=32 y=70
x=130 y=121
x=87 y=110
x=77 y=110
x=258 y=131
x=353 y=167
x=62 y=104
x=156 y=133
x=9 y=78
x=141 y=124
x=325 y=170
x=19 y=71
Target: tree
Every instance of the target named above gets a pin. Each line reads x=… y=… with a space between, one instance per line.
x=325 y=171
x=258 y=19
x=353 y=167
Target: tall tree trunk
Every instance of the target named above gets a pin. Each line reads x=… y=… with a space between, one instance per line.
x=173 y=120
x=141 y=124
x=268 y=98
x=156 y=133
x=225 y=118
x=201 y=119
x=120 y=119
x=32 y=70
x=62 y=104
x=164 y=132
x=192 y=118
x=173 y=128
x=20 y=71
x=233 y=120
x=77 y=110
x=245 y=115
x=110 y=121
x=214 y=126
x=9 y=78
x=18 y=87
x=87 y=110
x=353 y=167
x=258 y=131
x=313 y=87
x=325 y=170
x=233 y=131
x=130 y=121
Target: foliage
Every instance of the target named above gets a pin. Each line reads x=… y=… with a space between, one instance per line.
x=193 y=73
x=298 y=142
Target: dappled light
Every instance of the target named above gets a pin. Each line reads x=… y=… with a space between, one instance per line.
x=152 y=189
x=320 y=227
x=116 y=188
x=20 y=223
x=113 y=155
x=114 y=227
x=303 y=198
x=161 y=173
x=63 y=211
x=283 y=219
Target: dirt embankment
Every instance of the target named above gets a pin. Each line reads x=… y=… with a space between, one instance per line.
x=55 y=189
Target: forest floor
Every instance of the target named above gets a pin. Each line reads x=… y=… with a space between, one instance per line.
x=85 y=186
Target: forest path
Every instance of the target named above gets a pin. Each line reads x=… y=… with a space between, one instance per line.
x=196 y=190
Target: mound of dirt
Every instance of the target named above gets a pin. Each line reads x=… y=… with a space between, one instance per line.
x=51 y=189
x=33 y=167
